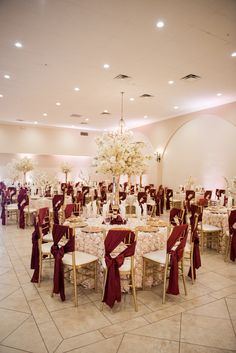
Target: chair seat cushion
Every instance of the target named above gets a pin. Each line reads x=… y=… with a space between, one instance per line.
x=156 y=256
x=81 y=258
x=126 y=267
x=46 y=247
x=11 y=207
x=209 y=228
x=48 y=237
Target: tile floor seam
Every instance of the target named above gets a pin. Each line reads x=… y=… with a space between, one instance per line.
x=16 y=349
x=216 y=348
x=230 y=316
x=85 y=345
x=180 y=330
x=118 y=348
x=16 y=328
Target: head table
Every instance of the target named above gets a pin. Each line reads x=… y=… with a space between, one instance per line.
x=90 y=239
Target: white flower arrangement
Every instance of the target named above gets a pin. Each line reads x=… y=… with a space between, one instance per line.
x=119 y=155
x=66 y=167
x=43 y=181
x=12 y=173
x=24 y=165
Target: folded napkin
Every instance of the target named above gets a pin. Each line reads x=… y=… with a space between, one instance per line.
x=123 y=209
x=144 y=210
x=118 y=220
x=94 y=208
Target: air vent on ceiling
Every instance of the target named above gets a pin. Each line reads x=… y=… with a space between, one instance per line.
x=76 y=116
x=84 y=123
x=146 y=95
x=19 y=120
x=84 y=133
x=190 y=77
x=121 y=77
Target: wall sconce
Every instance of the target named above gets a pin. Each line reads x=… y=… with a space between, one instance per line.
x=158 y=157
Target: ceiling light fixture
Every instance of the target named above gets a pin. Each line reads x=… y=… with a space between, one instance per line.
x=18 y=45
x=219 y=94
x=176 y=107
x=160 y=24
x=7 y=77
x=171 y=82
x=131 y=99
x=35 y=122
x=145 y=117
x=58 y=104
x=233 y=54
x=87 y=119
x=45 y=114
x=77 y=89
x=106 y=66
x=1 y=95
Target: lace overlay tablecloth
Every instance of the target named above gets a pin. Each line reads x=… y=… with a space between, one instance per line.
x=218 y=219
x=93 y=243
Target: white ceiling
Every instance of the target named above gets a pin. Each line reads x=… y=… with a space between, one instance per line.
x=66 y=43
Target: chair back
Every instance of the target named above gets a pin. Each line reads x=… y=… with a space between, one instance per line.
x=23 y=201
x=207 y=194
x=114 y=238
x=122 y=195
x=57 y=202
x=232 y=232
x=169 y=194
x=219 y=192
x=68 y=210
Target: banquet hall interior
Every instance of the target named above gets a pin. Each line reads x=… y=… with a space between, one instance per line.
x=117 y=176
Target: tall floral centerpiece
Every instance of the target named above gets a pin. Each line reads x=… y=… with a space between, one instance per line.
x=66 y=169
x=24 y=165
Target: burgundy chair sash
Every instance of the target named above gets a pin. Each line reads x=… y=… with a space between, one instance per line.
x=23 y=201
x=219 y=192
x=195 y=239
x=114 y=237
x=142 y=198
x=232 y=232
x=122 y=195
x=117 y=220
x=179 y=233
x=189 y=195
x=207 y=194
x=169 y=194
x=58 y=232
x=57 y=202
x=175 y=212
x=34 y=265
x=69 y=210
x=3 y=205
x=85 y=191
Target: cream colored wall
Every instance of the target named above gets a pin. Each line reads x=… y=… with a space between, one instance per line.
x=185 y=141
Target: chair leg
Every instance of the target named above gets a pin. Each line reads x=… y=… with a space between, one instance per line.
x=75 y=285
x=165 y=280
x=183 y=276
x=134 y=290
x=144 y=273
x=95 y=276
x=191 y=266
x=40 y=268
x=104 y=286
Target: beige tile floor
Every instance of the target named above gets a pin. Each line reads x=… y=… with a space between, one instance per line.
x=32 y=321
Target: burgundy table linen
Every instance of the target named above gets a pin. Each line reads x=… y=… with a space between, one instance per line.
x=69 y=210
x=58 y=232
x=114 y=237
x=232 y=232
x=179 y=233
x=57 y=202
x=23 y=201
x=169 y=194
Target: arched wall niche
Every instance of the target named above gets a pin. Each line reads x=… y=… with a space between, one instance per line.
x=202 y=148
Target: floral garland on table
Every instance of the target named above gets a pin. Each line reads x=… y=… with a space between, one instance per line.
x=119 y=155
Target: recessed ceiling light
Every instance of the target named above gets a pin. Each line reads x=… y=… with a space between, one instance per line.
x=233 y=54
x=106 y=66
x=145 y=117
x=131 y=99
x=58 y=104
x=171 y=82
x=87 y=119
x=35 y=122
x=7 y=77
x=77 y=89
x=219 y=94
x=1 y=95
x=160 y=24
x=104 y=129
x=105 y=111
x=176 y=107
x=73 y=126
x=45 y=114
x=18 y=45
